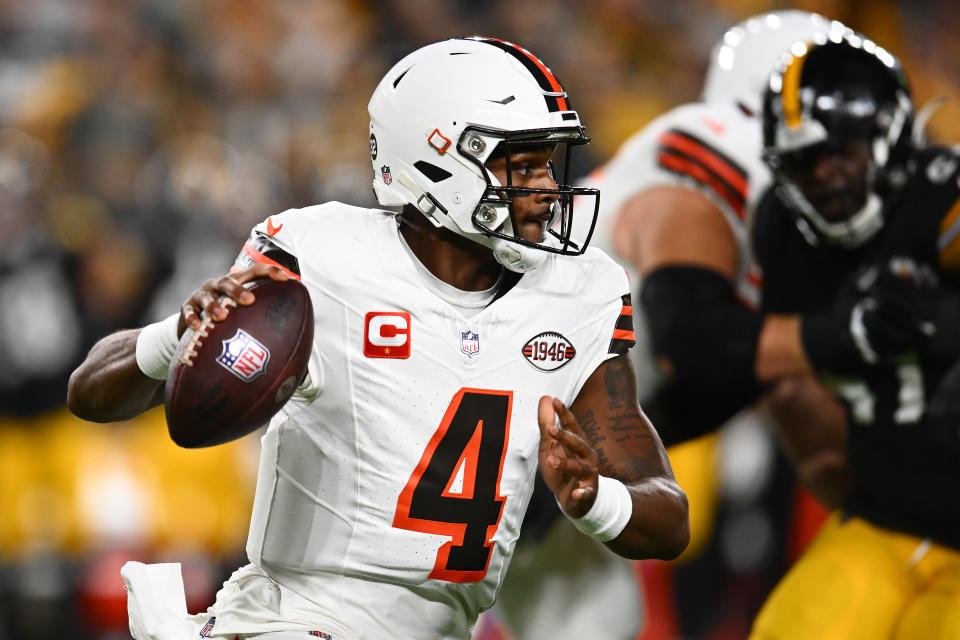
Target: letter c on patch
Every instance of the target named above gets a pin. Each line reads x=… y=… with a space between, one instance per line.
x=386 y=334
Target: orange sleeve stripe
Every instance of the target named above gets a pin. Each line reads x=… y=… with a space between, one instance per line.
x=949 y=241
x=701 y=175
x=949 y=258
x=950 y=219
x=709 y=159
x=622 y=334
x=256 y=256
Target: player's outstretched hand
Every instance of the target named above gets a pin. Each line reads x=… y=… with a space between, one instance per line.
x=568 y=464
x=881 y=313
x=209 y=297
x=899 y=306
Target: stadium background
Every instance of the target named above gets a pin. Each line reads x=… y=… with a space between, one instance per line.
x=139 y=142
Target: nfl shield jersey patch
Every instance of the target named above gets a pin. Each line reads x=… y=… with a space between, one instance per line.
x=470 y=342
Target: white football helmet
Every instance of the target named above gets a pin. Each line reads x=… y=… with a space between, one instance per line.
x=439 y=114
x=742 y=61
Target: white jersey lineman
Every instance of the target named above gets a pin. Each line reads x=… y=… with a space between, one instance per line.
x=711 y=148
x=390 y=493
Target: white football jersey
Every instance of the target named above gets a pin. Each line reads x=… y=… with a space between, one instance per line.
x=711 y=148
x=390 y=497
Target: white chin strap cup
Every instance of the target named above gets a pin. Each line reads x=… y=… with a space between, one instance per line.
x=516 y=257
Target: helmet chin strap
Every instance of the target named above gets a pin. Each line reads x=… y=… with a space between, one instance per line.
x=513 y=255
x=516 y=257
x=851 y=233
x=862 y=226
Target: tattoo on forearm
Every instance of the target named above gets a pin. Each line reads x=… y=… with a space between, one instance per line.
x=591 y=429
x=622 y=425
x=620 y=397
x=617 y=384
x=588 y=422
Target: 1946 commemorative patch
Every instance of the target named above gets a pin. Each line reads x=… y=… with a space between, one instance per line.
x=548 y=351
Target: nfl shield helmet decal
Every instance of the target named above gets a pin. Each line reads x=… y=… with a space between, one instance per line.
x=470 y=342
x=548 y=351
x=385 y=173
x=244 y=356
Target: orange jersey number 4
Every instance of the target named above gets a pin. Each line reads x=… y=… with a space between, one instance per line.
x=454 y=490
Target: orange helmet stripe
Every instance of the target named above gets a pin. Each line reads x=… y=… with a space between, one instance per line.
x=542 y=74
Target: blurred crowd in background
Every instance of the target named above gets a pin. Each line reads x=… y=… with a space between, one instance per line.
x=140 y=140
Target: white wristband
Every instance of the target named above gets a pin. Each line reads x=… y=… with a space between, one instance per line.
x=156 y=346
x=610 y=511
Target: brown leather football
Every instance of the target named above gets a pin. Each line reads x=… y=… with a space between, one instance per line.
x=229 y=378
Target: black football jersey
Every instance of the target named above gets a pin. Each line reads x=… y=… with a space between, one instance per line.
x=903 y=478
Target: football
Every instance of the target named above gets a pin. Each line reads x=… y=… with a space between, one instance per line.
x=229 y=378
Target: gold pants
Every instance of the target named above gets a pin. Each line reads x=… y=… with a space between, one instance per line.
x=858 y=581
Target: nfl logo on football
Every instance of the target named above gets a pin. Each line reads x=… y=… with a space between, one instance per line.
x=469 y=342
x=244 y=356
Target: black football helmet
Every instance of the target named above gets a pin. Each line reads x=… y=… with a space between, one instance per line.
x=837 y=127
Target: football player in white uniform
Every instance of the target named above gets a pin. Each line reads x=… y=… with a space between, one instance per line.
x=678 y=197
x=392 y=487
x=676 y=207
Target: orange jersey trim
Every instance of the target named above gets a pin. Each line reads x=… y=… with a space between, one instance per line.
x=949 y=254
x=709 y=159
x=256 y=256
x=704 y=177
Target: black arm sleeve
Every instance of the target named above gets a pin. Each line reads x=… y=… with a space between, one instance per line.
x=697 y=323
x=682 y=412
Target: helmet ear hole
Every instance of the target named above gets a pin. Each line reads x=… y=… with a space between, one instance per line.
x=432 y=171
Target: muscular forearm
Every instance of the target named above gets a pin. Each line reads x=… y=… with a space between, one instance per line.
x=780 y=349
x=619 y=486
x=812 y=428
x=109 y=385
x=659 y=526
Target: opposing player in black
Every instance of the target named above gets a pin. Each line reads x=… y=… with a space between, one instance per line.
x=859 y=243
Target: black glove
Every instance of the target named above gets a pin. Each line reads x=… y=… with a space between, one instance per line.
x=943 y=412
x=883 y=312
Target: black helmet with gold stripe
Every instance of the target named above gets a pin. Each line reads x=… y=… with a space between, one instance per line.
x=837 y=125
